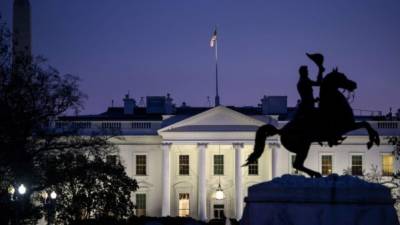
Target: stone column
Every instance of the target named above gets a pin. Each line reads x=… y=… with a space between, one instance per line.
x=238 y=179
x=274 y=146
x=166 y=191
x=202 y=189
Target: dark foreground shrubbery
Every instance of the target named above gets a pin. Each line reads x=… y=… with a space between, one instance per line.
x=151 y=221
x=100 y=221
x=163 y=221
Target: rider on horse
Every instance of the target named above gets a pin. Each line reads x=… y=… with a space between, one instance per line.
x=333 y=118
x=305 y=89
x=306 y=108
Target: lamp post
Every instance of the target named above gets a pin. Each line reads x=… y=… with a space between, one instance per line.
x=16 y=200
x=50 y=205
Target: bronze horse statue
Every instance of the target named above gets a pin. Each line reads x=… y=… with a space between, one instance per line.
x=331 y=120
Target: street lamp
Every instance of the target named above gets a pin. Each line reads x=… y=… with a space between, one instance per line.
x=17 y=200
x=11 y=191
x=50 y=204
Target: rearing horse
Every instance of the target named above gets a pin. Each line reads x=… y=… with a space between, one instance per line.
x=333 y=119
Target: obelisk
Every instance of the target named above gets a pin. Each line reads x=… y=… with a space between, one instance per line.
x=21 y=35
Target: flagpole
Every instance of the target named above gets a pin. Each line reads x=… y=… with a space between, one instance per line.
x=216 y=71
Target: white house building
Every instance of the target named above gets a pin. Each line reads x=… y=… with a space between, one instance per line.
x=180 y=156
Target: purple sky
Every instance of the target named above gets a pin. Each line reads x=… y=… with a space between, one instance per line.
x=151 y=47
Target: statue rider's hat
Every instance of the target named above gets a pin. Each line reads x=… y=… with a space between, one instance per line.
x=317 y=58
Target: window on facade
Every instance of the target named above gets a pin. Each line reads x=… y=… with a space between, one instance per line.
x=140 y=204
x=218 y=164
x=356 y=165
x=326 y=164
x=387 y=164
x=140 y=164
x=184 y=165
x=253 y=168
x=112 y=159
x=219 y=211
x=184 y=206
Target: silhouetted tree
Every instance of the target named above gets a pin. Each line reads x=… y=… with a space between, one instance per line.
x=89 y=188
x=32 y=96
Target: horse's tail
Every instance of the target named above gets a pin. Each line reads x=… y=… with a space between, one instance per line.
x=261 y=135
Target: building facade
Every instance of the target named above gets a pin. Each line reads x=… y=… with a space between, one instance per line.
x=181 y=156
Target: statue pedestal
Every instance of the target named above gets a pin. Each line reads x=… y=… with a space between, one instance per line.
x=332 y=200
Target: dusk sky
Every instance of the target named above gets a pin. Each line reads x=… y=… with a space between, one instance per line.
x=157 y=47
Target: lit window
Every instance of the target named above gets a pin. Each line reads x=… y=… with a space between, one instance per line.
x=184 y=165
x=218 y=164
x=140 y=204
x=253 y=168
x=184 y=206
x=140 y=164
x=356 y=165
x=326 y=164
x=219 y=211
x=387 y=165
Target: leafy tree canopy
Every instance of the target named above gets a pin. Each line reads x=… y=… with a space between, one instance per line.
x=89 y=187
x=35 y=153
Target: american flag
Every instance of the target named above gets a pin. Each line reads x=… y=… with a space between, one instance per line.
x=213 y=39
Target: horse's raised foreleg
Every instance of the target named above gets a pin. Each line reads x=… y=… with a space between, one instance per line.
x=299 y=163
x=372 y=133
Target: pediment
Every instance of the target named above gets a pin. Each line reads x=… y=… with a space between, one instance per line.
x=216 y=119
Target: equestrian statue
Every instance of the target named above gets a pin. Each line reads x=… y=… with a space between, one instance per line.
x=328 y=122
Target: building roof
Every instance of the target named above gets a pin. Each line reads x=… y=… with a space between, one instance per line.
x=116 y=114
x=140 y=114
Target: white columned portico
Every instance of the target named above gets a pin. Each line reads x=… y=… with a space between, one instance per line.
x=274 y=158
x=202 y=189
x=166 y=191
x=238 y=179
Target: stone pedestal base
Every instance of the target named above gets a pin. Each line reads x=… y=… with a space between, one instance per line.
x=332 y=200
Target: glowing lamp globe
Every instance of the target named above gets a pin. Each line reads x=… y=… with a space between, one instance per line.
x=53 y=195
x=11 y=190
x=21 y=189
x=219 y=194
x=45 y=195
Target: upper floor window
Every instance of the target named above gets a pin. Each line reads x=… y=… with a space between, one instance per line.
x=326 y=164
x=218 y=164
x=140 y=164
x=357 y=165
x=253 y=168
x=387 y=164
x=184 y=165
